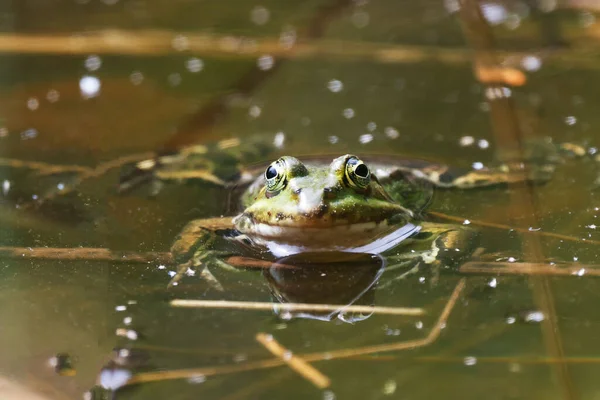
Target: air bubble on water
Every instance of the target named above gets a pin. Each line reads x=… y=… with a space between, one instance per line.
x=570 y=120
x=531 y=63
x=335 y=85
x=3 y=132
x=366 y=138
x=483 y=144
x=265 y=62
x=196 y=379
x=194 y=64
x=113 y=379
x=254 y=111
x=288 y=37
x=587 y=19
x=259 y=15
x=477 y=165
x=5 y=187
x=389 y=387
x=511 y=259
x=511 y=320
x=419 y=325
x=33 y=103
x=422 y=279
x=120 y=308
x=53 y=95
x=534 y=316
x=391 y=133
x=360 y=19
x=136 y=77
x=466 y=222
x=127 y=320
x=162 y=266
x=513 y=21
x=348 y=113
x=172 y=273
x=466 y=141
x=452 y=6
x=328 y=395
x=30 y=133
x=494 y=13
x=493 y=283
x=34 y=197
x=592 y=226
x=174 y=79
x=470 y=361
x=333 y=139
x=92 y=63
x=180 y=43
x=190 y=272
x=279 y=140
x=286 y=316
x=371 y=126
x=89 y=86
x=580 y=272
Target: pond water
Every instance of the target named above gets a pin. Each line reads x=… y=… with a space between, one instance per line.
x=90 y=85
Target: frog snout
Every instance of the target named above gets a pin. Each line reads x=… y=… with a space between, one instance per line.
x=311 y=201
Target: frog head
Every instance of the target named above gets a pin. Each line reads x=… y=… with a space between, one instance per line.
x=297 y=196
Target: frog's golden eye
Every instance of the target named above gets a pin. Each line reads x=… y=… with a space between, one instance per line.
x=275 y=176
x=357 y=173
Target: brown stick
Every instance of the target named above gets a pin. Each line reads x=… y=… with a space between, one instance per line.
x=85 y=253
x=525 y=268
x=516 y=229
x=294 y=362
x=312 y=357
x=251 y=305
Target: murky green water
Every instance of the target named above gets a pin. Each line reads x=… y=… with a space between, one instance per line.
x=331 y=92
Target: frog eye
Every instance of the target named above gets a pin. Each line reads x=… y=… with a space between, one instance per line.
x=275 y=176
x=357 y=173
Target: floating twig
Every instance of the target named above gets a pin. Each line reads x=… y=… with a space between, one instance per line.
x=294 y=362
x=85 y=254
x=283 y=307
x=516 y=229
x=312 y=357
x=529 y=268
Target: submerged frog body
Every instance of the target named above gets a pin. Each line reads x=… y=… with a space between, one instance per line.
x=322 y=206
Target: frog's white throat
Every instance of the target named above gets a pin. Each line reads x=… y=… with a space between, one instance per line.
x=367 y=237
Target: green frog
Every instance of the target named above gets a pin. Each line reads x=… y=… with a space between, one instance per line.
x=325 y=208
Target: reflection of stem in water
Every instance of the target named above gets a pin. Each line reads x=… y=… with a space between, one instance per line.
x=508 y=136
x=283 y=307
x=296 y=363
x=312 y=357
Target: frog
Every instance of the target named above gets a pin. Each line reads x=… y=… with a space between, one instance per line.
x=328 y=209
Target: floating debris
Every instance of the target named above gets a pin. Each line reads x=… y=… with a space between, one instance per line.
x=63 y=364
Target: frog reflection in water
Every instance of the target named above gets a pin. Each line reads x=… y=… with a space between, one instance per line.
x=345 y=205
